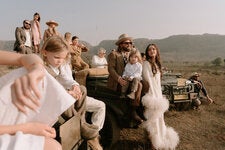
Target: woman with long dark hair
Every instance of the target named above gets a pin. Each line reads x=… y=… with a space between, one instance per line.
x=161 y=136
x=36 y=31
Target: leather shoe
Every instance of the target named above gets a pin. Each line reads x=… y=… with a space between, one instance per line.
x=131 y=95
x=88 y=131
x=94 y=144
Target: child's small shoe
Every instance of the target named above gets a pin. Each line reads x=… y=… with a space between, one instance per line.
x=131 y=95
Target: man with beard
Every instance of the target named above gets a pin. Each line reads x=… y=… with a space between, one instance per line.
x=23 y=43
x=117 y=60
x=198 y=87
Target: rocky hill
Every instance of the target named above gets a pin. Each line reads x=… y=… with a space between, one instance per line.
x=204 y=47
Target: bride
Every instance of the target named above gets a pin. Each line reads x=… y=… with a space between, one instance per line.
x=161 y=136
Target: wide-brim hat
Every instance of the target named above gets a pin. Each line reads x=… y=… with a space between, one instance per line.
x=123 y=37
x=52 y=22
x=195 y=74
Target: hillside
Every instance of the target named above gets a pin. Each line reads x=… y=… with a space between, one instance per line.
x=204 y=47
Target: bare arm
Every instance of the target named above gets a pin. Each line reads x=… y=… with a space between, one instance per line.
x=29 y=128
x=11 y=58
x=25 y=87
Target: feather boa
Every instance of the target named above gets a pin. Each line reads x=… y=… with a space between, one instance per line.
x=161 y=136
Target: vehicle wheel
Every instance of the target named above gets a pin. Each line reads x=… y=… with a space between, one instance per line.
x=110 y=132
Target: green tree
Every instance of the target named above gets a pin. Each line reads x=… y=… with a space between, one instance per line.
x=217 y=61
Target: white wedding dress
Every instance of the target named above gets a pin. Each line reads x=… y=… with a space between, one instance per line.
x=54 y=101
x=161 y=136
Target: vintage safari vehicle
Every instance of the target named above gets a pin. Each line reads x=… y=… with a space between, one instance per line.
x=176 y=89
x=179 y=91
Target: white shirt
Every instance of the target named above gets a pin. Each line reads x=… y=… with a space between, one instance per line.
x=133 y=71
x=98 y=62
x=65 y=77
x=28 y=39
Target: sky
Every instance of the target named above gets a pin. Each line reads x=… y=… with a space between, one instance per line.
x=96 y=20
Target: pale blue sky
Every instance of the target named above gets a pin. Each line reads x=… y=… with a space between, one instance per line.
x=97 y=20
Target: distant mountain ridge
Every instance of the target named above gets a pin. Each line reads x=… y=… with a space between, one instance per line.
x=205 y=47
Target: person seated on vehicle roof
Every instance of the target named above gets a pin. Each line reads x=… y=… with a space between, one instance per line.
x=79 y=66
x=116 y=63
x=99 y=61
x=199 y=86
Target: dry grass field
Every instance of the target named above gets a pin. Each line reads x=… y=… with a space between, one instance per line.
x=202 y=129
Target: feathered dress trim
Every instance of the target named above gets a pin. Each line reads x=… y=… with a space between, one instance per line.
x=161 y=136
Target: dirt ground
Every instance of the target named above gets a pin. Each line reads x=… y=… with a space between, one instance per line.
x=202 y=129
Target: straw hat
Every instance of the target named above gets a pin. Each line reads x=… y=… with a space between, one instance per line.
x=195 y=74
x=123 y=37
x=52 y=22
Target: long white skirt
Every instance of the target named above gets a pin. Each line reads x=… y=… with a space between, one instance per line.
x=161 y=136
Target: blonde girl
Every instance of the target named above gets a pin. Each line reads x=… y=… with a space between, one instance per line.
x=133 y=74
x=55 y=53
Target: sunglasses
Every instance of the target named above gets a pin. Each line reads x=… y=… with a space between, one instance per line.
x=27 y=23
x=127 y=43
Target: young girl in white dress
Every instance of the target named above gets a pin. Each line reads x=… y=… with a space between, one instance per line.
x=161 y=136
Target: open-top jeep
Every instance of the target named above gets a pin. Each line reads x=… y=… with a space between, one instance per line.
x=179 y=91
x=175 y=88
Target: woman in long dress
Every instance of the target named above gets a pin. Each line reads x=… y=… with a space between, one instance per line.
x=36 y=31
x=161 y=136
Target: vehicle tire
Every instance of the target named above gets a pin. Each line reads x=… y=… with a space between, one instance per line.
x=110 y=133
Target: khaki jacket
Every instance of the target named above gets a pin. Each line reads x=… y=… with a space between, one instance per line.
x=20 y=38
x=116 y=67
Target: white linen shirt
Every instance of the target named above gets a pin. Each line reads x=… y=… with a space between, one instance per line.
x=28 y=38
x=65 y=77
x=133 y=71
x=98 y=62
